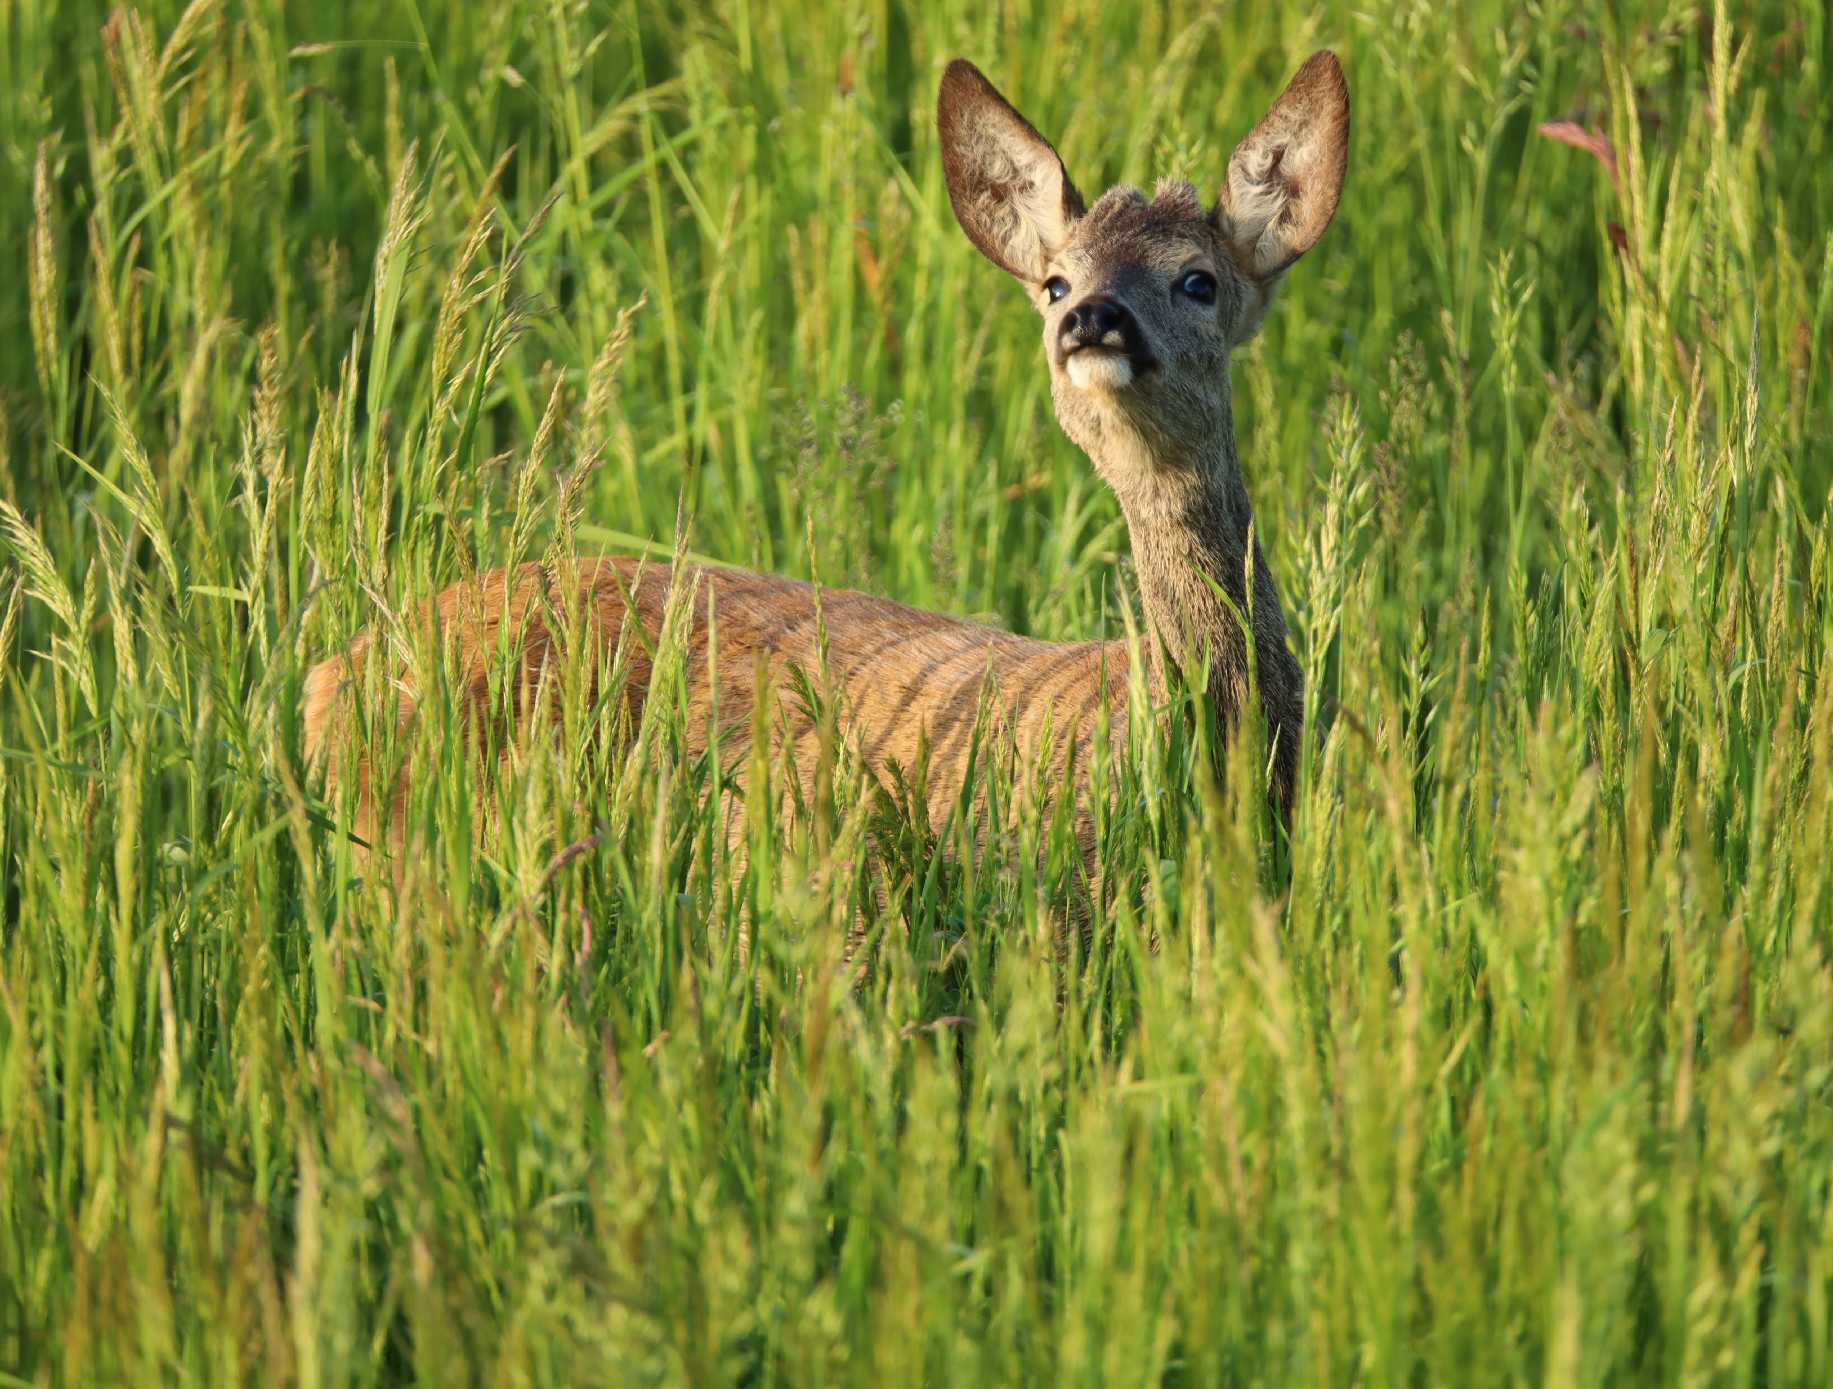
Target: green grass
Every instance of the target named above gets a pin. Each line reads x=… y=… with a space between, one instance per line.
x=1513 y=1066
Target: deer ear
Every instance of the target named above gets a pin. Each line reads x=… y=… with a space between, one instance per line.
x=1285 y=177
x=1009 y=190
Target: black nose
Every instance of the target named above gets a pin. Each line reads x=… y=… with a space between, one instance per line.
x=1094 y=318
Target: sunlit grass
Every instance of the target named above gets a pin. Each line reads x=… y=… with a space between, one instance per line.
x=1512 y=1065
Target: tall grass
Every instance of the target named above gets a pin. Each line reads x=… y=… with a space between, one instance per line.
x=1513 y=1065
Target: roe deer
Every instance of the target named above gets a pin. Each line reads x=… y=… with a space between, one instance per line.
x=1142 y=300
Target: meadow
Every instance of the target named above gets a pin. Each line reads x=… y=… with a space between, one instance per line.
x=1509 y=1063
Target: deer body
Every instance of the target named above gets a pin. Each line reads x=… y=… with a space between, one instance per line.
x=908 y=683
x=1142 y=300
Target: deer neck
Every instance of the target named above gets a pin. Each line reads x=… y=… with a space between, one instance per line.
x=1196 y=553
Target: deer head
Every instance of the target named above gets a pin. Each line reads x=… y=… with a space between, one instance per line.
x=1142 y=299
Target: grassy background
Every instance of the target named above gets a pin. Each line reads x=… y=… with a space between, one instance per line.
x=1513 y=1067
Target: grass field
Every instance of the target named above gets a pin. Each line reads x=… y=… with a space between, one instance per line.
x=1511 y=1065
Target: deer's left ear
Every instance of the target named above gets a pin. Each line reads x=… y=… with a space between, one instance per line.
x=1285 y=178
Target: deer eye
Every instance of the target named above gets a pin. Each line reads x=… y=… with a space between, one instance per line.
x=1199 y=285
x=1056 y=287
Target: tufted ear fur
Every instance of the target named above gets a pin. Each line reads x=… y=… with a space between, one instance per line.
x=1285 y=178
x=1009 y=190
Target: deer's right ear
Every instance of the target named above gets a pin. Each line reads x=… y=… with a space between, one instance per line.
x=1010 y=192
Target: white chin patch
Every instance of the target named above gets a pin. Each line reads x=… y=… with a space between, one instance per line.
x=1106 y=370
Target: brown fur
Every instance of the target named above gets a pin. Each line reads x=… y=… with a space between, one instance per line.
x=902 y=676
x=1163 y=441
